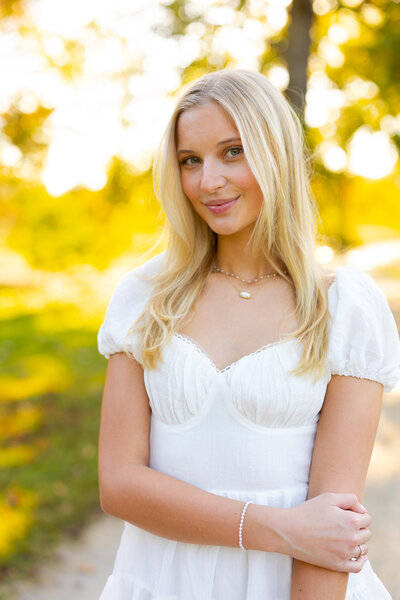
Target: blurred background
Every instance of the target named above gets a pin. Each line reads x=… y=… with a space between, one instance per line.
x=86 y=89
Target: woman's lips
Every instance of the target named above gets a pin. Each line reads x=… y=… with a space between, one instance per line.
x=220 y=208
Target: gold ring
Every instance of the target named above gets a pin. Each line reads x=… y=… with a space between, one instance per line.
x=354 y=558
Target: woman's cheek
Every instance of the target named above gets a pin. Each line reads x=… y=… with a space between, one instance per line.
x=189 y=188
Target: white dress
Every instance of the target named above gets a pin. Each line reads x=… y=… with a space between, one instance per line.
x=245 y=432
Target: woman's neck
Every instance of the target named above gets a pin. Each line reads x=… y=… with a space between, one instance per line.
x=234 y=256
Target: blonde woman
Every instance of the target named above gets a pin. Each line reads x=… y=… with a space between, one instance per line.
x=244 y=384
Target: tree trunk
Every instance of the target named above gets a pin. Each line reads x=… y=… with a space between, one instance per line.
x=297 y=51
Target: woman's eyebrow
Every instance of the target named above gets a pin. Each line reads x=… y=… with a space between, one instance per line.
x=182 y=151
x=234 y=139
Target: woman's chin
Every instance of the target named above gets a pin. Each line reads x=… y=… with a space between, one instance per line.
x=225 y=231
x=231 y=229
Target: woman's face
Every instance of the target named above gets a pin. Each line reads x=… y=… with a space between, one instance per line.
x=215 y=174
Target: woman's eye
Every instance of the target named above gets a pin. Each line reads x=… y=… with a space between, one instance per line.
x=190 y=160
x=235 y=151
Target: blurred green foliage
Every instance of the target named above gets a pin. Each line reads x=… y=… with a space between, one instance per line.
x=81 y=226
x=52 y=378
x=96 y=227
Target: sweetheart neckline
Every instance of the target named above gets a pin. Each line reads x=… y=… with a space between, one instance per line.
x=191 y=342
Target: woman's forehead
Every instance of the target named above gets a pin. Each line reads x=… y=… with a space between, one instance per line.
x=202 y=121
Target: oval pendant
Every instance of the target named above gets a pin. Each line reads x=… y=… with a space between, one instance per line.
x=245 y=295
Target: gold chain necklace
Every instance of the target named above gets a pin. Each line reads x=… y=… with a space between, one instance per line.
x=266 y=275
x=243 y=294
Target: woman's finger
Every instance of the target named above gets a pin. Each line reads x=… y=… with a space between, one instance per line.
x=364 y=535
x=348 y=502
x=355 y=566
x=360 y=551
x=364 y=521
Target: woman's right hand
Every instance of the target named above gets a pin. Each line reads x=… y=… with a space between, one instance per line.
x=327 y=531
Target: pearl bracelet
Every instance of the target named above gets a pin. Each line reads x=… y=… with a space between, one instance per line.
x=241 y=525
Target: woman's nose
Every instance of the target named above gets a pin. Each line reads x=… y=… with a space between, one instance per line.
x=212 y=177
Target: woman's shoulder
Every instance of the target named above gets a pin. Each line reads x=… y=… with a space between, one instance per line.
x=364 y=341
x=347 y=272
x=350 y=287
x=129 y=299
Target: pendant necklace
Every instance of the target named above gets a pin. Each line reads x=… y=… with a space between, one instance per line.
x=243 y=294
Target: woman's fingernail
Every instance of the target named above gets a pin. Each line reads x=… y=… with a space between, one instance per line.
x=363 y=508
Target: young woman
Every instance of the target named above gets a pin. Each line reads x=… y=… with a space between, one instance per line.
x=243 y=379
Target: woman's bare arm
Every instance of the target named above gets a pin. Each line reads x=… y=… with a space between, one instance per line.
x=168 y=507
x=342 y=451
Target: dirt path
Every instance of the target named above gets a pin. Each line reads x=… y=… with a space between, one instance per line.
x=80 y=568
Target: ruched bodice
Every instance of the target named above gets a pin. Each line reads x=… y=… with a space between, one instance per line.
x=227 y=449
x=245 y=432
x=260 y=387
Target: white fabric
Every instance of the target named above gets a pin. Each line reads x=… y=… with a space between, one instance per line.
x=245 y=432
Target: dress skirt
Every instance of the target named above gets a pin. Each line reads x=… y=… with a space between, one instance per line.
x=149 y=567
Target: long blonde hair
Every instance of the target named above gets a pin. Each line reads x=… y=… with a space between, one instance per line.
x=284 y=232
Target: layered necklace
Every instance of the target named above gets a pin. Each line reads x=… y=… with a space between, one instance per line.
x=243 y=294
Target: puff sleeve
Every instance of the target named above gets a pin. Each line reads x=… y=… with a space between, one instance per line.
x=127 y=303
x=364 y=341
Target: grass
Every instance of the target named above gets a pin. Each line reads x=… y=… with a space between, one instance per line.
x=51 y=377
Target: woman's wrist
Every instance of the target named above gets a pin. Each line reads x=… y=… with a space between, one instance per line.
x=262 y=529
